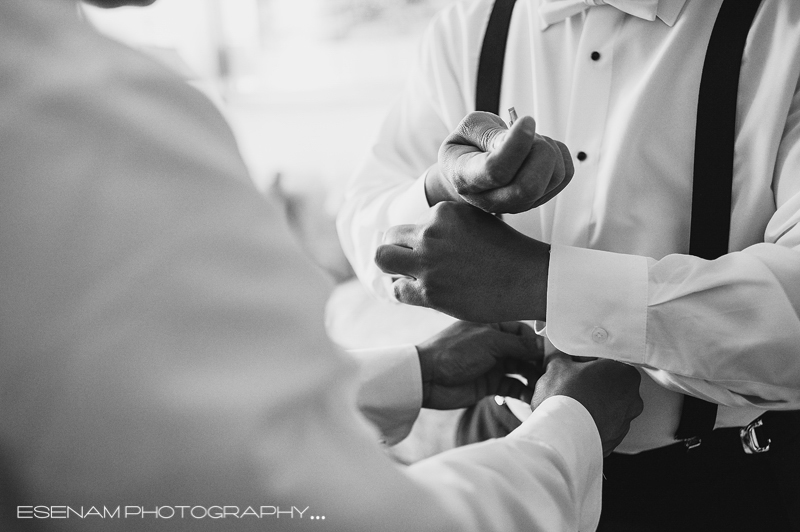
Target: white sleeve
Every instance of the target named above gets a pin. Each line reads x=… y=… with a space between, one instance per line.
x=389 y=389
x=545 y=476
x=726 y=330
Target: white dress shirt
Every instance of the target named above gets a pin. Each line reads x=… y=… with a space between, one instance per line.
x=161 y=333
x=621 y=285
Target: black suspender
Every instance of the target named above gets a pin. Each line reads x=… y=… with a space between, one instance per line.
x=493 y=55
x=716 y=122
x=713 y=167
x=714 y=145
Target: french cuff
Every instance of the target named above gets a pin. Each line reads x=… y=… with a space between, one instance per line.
x=390 y=389
x=566 y=425
x=410 y=205
x=597 y=303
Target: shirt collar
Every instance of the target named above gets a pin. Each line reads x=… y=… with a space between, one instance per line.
x=670 y=10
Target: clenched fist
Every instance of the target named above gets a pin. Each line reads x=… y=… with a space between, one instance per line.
x=467 y=263
x=496 y=169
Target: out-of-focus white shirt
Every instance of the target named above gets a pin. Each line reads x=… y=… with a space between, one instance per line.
x=621 y=285
x=161 y=334
x=389 y=389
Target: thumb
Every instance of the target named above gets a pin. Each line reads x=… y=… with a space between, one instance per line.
x=482 y=154
x=506 y=152
x=516 y=140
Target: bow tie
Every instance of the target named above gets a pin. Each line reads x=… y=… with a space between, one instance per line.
x=552 y=11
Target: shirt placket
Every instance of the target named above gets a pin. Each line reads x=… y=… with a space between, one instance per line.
x=586 y=124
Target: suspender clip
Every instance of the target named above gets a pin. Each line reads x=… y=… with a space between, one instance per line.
x=692 y=443
x=750 y=438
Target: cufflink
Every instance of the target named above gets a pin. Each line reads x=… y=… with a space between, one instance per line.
x=749 y=438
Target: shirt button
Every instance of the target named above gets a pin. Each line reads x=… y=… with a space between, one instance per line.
x=595 y=56
x=582 y=156
x=599 y=335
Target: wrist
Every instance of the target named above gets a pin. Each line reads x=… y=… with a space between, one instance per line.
x=541 y=273
x=532 y=303
x=438 y=188
x=425 y=370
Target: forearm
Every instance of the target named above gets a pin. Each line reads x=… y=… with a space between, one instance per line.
x=726 y=330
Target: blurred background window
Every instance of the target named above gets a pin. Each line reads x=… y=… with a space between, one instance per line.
x=304 y=83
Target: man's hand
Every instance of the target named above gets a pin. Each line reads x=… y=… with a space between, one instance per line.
x=468 y=361
x=497 y=169
x=467 y=263
x=609 y=390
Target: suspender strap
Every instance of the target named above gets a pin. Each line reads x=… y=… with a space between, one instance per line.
x=493 y=53
x=713 y=164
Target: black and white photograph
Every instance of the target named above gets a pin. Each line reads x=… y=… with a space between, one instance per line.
x=400 y=265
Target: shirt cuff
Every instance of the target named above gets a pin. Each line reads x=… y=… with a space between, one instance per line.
x=597 y=303
x=568 y=426
x=410 y=205
x=390 y=389
x=565 y=425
